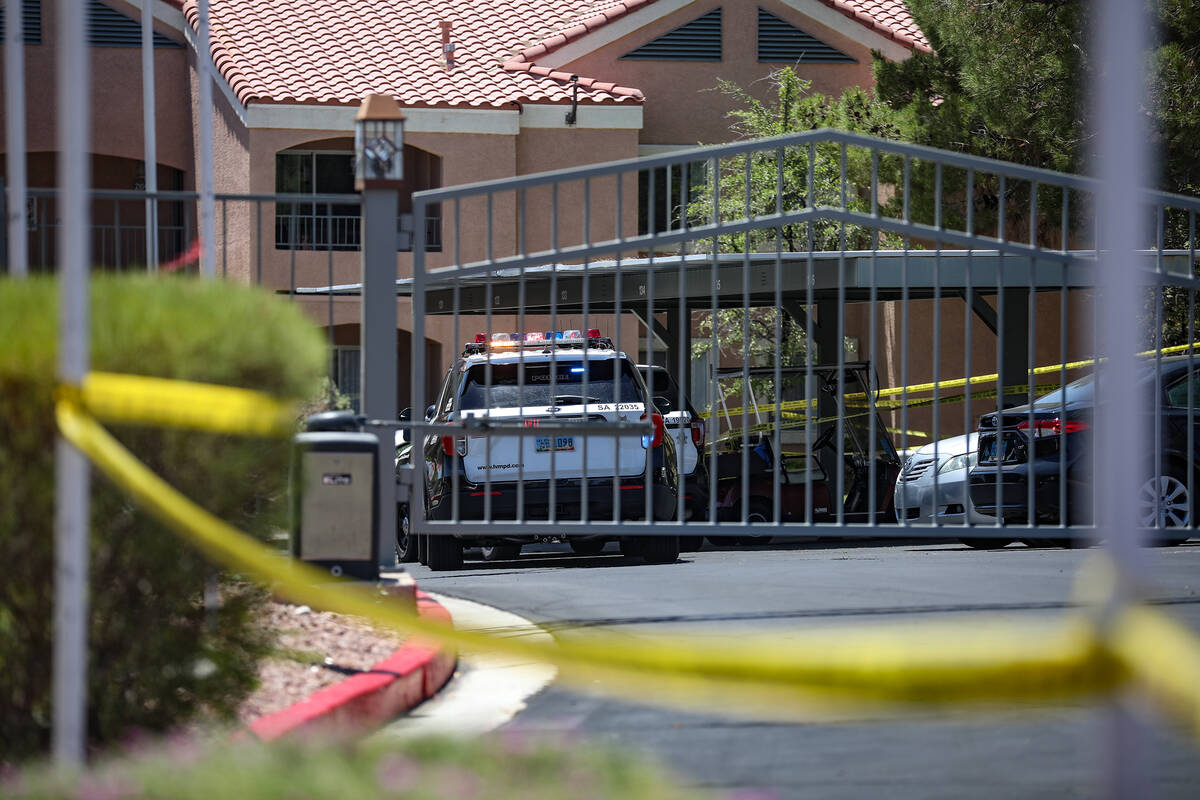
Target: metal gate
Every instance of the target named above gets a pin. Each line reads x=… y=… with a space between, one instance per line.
x=849 y=320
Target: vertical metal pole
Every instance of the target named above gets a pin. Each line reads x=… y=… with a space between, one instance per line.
x=379 y=350
x=1121 y=35
x=208 y=233
x=150 y=140
x=72 y=480
x=14 y=131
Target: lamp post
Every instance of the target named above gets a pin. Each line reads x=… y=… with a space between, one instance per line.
x=378 y=174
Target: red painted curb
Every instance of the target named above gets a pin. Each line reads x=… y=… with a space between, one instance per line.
x=412 y=674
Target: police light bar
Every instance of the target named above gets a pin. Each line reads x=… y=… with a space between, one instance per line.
x=504 y=340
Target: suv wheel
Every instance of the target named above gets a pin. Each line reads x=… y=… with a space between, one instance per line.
x=660 y=549
x=444 y=551
x=406 y=543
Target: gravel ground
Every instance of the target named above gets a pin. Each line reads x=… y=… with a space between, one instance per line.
x=316 y=649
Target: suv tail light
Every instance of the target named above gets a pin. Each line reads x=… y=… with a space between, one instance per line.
x=698 y=432
x=657 y=438
x=1053 y=427
x=454 y=445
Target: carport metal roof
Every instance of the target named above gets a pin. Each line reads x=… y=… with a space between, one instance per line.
x=859 y=273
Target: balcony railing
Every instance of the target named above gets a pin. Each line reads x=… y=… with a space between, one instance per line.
x=118 y=232
x=317 y=231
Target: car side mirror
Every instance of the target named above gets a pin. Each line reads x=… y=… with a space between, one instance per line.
x=429 y=412
x=662 y=402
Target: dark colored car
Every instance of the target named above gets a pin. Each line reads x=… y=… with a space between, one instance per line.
x=1043 y=452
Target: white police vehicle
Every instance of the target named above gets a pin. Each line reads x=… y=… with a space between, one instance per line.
x=488 y=474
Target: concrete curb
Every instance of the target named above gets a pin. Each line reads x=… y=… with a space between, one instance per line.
x=409 y=676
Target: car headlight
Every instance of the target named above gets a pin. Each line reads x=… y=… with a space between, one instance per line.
x=951 y=464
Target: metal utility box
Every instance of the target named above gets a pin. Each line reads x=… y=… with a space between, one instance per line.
x=335 y=491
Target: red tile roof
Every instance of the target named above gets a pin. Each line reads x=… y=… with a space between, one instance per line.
x=337 y=51
x=890 y=18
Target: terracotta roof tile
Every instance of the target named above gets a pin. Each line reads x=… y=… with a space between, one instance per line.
x=337 y=51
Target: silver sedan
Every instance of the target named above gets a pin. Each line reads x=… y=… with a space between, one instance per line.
x=932 y=487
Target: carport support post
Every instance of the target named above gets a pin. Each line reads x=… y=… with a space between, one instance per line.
x=825 y=333
x=679 y=354
x=379 y=352
x=1014 y=343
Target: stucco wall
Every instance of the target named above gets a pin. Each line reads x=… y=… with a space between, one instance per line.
x=235 y=221
x=116 y=98
x=542 y=149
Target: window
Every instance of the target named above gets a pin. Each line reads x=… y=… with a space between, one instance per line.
x=345 y=370
x=674 y=188
x=698 y=40
x=508 y=390
x=316 y=226
x=1177 y=395
x=337 y=226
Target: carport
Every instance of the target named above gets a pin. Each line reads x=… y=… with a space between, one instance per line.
x=675 y=286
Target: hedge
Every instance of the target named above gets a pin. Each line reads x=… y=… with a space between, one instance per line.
x=156 y=657
x=509 y=766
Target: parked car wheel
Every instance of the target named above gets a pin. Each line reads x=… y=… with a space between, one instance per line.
x=759 y=513
x=500 y=552
x=445 y=552
x=1165 y=503
x=660 y=549
x=406 y=543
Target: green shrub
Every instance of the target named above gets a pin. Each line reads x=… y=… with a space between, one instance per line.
x=156 y=657
x=498 y=768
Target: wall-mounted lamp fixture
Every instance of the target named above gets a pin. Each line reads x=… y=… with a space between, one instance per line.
x=378 y=143
x=573 y=114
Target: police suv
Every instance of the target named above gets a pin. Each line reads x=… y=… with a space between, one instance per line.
x=490 y=472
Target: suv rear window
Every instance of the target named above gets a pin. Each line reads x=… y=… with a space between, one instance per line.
x=664 y=387
x=507 y=391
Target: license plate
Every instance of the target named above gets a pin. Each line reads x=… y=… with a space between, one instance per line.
x=545 y=444
x=1001 y=448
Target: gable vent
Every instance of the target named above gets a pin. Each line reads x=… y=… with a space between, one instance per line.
x=698 y=40
x=781 y=41
x=109 y=28
x=31 y=22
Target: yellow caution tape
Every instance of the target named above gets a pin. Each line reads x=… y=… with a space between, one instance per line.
x=951 y=383
x=983 y=661
x=1165 y=657
x=139 y=400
